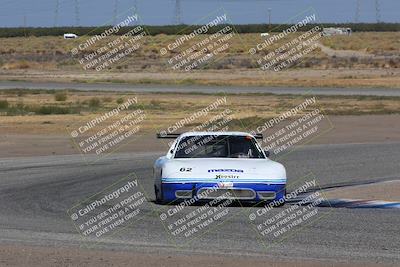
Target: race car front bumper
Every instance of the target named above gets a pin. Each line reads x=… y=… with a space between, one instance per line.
x=252 y=192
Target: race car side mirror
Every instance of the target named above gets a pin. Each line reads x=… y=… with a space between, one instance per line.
x=266 y=153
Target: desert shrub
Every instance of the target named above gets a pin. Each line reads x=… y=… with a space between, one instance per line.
x=60 y=96
x=21 y=64
x=155 y=104
x=107 y=99
x=94 y=102
x=47 y=110
x=17 y=109
x=4 y=104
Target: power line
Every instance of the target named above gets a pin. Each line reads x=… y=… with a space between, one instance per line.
x=269 y=18
x=135 y=6
x=377 y=11
x=56 y=13
x=24 y=23
x=357 y=15
x=77 y=18
x=178 y=12
x=115 y=12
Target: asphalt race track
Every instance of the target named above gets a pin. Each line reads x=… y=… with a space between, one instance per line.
x=36 y=192
x=120 y=87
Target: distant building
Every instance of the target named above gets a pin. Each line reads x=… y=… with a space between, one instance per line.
x=70 y=36
x=336 y=31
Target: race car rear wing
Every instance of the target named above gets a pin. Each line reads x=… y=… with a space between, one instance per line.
x=176 y=135
x=258 y=136
x=168 y=135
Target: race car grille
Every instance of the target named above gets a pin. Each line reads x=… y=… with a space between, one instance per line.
x=183 y=193
x=227 y=193
x=267 y=194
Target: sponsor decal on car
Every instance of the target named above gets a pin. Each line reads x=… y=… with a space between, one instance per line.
x=225 y=170
x=226 y=176
x=225 y=184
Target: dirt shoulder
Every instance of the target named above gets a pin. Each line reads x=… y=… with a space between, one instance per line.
x=32 y=140
x=340 y=77
x=23 y=255
x=41 y=122
x=387 y=191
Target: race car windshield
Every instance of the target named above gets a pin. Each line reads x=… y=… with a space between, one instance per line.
x=218 y=146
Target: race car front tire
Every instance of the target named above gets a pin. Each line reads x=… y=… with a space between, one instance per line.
x=282 y=203
x=159 y=195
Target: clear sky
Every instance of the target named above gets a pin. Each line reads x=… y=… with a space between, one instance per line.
x=14 y=13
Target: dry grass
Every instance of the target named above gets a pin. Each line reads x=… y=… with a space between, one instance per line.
x=373 y=42
x=162 y=110
x=54 y=52
x=49 y=59
x=344 y=77
x=382 y=43
x=25 y=64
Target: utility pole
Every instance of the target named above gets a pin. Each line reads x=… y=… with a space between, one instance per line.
x=178 y=12
x=377 y=11
x=358 y=7
x=77 y=19
x=24 y=24
x=56 y=13
x=269 y=18
x=115 y=12
x=135 y=6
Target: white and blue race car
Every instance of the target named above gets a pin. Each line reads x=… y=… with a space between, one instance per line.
x=207 y=165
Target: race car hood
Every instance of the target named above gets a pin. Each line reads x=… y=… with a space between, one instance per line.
x=226 y=169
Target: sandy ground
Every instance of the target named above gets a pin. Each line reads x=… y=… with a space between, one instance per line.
x=340 y=77
x=11 y=255
x=388 y=191
x=22 y=140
